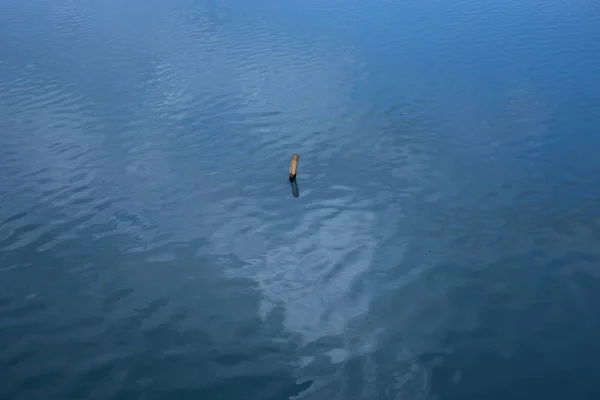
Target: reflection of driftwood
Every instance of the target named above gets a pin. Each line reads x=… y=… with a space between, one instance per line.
x=295 y=190
x=294 y=167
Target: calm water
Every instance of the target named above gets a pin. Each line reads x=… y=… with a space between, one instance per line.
x=444 y=244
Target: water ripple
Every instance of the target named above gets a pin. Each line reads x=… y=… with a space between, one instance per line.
x=150 y=245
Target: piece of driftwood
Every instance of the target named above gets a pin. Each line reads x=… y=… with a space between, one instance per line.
x=294 y=167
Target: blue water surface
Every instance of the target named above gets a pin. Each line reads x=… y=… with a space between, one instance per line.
x=445 y=242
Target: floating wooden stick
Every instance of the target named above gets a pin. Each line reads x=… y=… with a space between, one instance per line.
x=294 y=167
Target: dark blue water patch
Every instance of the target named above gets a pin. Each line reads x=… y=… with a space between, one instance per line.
x=100 y=337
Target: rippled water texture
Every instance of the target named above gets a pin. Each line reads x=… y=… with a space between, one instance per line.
x=444 y=243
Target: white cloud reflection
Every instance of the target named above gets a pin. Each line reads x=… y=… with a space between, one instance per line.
x=309 y=266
